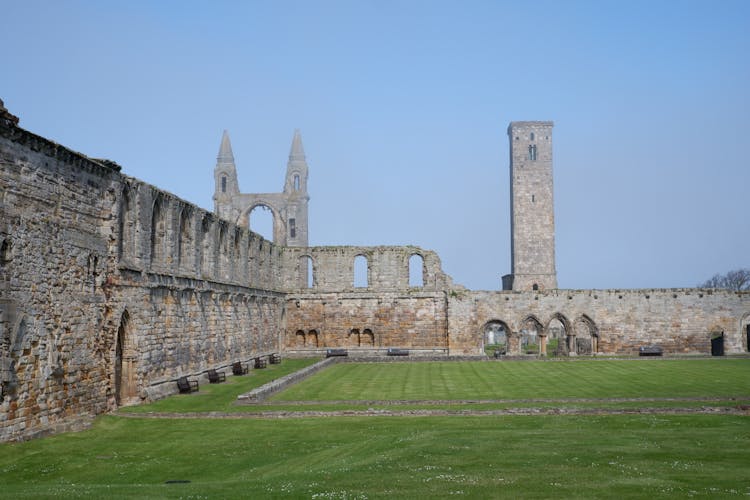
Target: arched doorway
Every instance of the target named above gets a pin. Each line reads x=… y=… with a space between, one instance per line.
x=124 y=373
x=559 y=328
x=717 y=342
x=495 y=337
x=533 y=336
x=587 y=336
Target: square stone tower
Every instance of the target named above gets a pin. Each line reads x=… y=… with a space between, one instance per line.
x=531 y=207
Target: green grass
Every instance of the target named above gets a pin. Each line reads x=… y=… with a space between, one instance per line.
x=221 y=397
x=601 y=456
x=526 y=379
x=543 y=457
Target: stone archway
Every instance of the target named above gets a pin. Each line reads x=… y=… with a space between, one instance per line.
x=125 y=388
x=587 y=336
x=533 y=336
x=495 y=336
x=559 y=327
x=279 y=225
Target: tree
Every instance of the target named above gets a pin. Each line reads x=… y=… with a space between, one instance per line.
x=738 y=279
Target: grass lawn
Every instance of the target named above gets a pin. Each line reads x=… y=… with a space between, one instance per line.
x=381 y=457
x=527 y=380
x=616 y=456
x=221 y=397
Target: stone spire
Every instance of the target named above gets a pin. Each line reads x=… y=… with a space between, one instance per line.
x=225 y=179
x=225 y=150
x=297 y=152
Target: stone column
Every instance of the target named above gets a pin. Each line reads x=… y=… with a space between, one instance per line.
x=543 y=345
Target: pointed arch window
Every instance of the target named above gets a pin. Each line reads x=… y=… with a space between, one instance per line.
x=361 y=272
x=532 y=152
x=223 y=183
x=416 y=270
x=296 y=182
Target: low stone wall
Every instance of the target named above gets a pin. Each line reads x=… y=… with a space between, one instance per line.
x=266 y=390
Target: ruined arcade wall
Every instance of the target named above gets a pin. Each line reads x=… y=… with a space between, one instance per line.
x=681 y=321
x=329 y=311
x=110 y=288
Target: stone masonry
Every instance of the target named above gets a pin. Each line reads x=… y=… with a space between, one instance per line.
x=111 y=289
x=289 y=208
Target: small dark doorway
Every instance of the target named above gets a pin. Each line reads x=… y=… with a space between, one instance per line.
x=717 y=345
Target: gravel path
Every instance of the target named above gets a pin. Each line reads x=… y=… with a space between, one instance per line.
x=740 y=409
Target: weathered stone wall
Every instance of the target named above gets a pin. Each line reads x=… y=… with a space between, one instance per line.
x=56 y=229
x=681 y=321
x=367 y=321
x=330 y=311
x=110 y=289
x=532 y=206
x=387 y=269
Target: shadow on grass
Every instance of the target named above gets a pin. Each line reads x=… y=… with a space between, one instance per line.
x=221 y=397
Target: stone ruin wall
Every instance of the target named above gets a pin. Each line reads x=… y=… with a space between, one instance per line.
x=55 y=229
x=330 y=312
x=88 y=254
x=681 y=321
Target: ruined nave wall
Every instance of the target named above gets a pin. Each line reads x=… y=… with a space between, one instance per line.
x=111 y=288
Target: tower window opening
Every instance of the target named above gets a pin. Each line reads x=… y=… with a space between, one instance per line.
x=535 y=287
x=292 y=228
x=296 y=182
x=532 y=152
x=533 y=198
x=532 y=136
x=223 y=184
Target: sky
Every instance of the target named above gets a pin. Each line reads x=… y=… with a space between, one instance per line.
x=403 y=107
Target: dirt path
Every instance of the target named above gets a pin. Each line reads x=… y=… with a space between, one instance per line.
x=740 y=409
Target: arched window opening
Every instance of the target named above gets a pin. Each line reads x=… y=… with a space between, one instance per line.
x=158 y=231
x=495 y=336
x=367 y=338
x=223 y=183
x=224 y=249
x=300 y=338
x=292 y=228
x=261 y=221
x=312 y=338
x=5 y=252
x=416 y=270
x=361 y=272
x=206 y=248
x=354 y=338
x=127 y=222
x=535 y=287
x=296 y=182
x=532 y=152
x=184 y=239
x=306 y=272
x=532 y=136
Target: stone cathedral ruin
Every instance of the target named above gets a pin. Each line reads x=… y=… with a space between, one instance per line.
x=111 y=289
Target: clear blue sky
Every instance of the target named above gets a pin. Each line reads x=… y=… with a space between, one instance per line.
x=403 y=108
